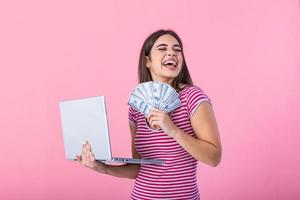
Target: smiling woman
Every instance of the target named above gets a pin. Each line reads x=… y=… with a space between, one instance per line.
x=187 y=135
x=165 y=60
x=173 y=42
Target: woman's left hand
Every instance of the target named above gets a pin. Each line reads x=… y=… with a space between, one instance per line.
x=159 y=118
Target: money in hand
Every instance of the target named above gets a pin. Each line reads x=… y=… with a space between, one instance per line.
x=154 y=94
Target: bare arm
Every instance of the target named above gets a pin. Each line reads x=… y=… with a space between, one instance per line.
x=87 y=159
x=207 y=146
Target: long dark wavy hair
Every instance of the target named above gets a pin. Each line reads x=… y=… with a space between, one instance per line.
x=144 y=72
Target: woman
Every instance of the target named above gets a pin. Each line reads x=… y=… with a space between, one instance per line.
x=184 y=136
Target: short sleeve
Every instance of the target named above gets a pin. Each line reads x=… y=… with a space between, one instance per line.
x=195 y=97
x=132 y=116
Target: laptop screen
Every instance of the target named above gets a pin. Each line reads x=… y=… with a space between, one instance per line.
x=85 y=120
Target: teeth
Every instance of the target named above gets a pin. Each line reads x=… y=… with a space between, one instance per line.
x=171 y=62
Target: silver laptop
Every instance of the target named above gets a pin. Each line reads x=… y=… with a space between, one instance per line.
x=86 y=120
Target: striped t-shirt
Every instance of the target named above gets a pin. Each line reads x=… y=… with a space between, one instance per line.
x=177 y=178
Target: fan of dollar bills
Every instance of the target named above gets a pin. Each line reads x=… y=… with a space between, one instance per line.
x=154 y=94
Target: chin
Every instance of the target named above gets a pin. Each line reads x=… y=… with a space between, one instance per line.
x=172 y=75
x=169 y=78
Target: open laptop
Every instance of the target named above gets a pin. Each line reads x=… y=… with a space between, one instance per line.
x=85 y=119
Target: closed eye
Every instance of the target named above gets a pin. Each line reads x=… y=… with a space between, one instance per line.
x=162 y=49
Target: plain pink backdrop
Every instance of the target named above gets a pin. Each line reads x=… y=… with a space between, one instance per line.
x=243 y=54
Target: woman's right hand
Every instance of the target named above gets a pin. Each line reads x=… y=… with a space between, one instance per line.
x=87 y=159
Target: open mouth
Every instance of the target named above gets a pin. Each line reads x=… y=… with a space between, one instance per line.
x=170 y=63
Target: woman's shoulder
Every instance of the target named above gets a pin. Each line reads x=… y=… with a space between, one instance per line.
x=190 y=88
x=192 y=92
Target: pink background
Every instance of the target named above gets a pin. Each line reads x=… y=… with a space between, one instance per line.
x=244 y=54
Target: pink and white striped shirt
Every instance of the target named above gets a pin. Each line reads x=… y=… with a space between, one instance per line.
x=177 y=178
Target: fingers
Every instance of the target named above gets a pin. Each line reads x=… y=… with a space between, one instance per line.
x=159 y=119
x=155 y=113
x=154 y=122
x=153 y=119
x=88 y=157
x=78 y=158
x=151 y=115
x=155 y=125
x=155 y=110
x=86 y=148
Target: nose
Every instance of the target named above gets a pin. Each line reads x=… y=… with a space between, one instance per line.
x=171 y=53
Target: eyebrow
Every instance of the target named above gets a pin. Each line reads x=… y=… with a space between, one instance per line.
x=175 y=45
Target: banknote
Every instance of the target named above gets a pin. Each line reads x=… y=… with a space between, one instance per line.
x=157 y=93
x=148 y=90
x=173 y=105
x=169 y=96
x=154 y=94
x=164 y=89
x=139 y=104
x=138 y=92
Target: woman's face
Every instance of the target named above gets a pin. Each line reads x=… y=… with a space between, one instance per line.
x=165 y=59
